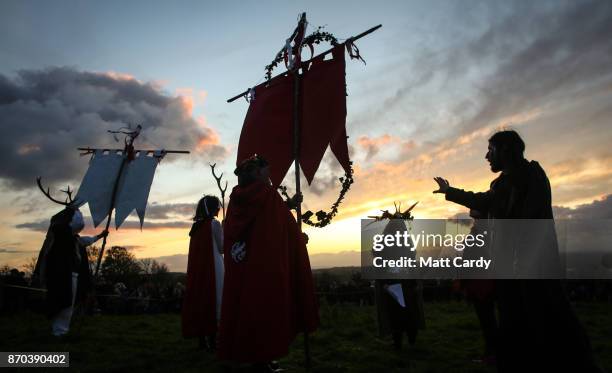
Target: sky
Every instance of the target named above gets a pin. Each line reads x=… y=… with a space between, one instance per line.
x=440 y=77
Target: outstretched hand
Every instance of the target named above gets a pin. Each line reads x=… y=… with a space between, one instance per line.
x=443 y=185
x=294 y=201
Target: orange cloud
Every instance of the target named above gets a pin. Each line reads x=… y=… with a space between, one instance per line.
x=372 y=145
x=119 y=76
x=187 y=104
x=366 y=142
x=196 y=97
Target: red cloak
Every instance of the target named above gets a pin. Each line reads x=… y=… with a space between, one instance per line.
x=199 y=304
x=268 y=296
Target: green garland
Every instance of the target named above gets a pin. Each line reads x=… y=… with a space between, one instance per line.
x=316 y=37
x=323 y=217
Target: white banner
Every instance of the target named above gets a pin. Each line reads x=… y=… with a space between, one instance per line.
x=132 y=192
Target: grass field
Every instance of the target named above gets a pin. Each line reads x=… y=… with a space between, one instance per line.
x=346 y=342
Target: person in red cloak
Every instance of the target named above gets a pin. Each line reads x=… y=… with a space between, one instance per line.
x=268 y=297
x=201 y=309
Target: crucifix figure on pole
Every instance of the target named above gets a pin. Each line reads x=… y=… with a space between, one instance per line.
x=119 y=180
x=294 y=116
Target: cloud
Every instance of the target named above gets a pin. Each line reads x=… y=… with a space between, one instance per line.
x=15 y=251
x=598 y=209
x=46 y=114
x=542 y=55
x=537 y=68
x=372 y=145
x=326 y=179
x=176 y=224
x=170 y=210
x=38 y=226
x=43 y=225
x=529 y=56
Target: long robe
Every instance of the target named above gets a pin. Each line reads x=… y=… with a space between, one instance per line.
x=60 y=256
x=392 y=317
x=268 y=295
x=200 y=303
x=538 y=328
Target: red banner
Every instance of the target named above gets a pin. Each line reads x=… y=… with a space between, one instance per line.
x=268 y=126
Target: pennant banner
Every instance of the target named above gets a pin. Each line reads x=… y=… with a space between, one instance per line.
x=132 y=191
x=323 y=113
x=268 y=126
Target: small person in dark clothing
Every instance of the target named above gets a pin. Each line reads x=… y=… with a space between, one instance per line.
x=399 y=303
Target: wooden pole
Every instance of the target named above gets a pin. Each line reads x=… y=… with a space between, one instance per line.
x=298 y=189
x=112 y=207
x=126 y=150
x=296 y=147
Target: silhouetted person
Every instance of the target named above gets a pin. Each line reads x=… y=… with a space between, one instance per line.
x=63 y=267
x=268 y=292
x=201 y=309
x=399 y=302
x=481 y=292
x=538 y=328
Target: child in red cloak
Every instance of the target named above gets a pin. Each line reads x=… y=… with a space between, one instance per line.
x=268 y=296
x=202 y=302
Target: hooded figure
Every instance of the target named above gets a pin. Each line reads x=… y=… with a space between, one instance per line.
x=399 y=303
x=63 y=267
x=201 y=309
x=268 y=295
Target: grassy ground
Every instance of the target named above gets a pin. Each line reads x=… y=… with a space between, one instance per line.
x=346 y=342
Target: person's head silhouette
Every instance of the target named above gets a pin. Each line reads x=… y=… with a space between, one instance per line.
x=505 y=150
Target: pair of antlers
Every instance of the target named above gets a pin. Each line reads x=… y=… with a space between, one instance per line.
x=398 y=214
x=218 y=179
x=67 y=202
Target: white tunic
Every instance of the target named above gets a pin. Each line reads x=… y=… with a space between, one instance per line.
x=217 y=238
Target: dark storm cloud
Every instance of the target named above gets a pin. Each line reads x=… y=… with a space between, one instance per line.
x=38 y=226
x=599 y=209
x=46 y=114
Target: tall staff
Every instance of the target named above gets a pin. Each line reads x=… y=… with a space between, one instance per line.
x=292 y=59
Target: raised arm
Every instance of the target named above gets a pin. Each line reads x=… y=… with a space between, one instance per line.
x=477 y=201
x=88 y=240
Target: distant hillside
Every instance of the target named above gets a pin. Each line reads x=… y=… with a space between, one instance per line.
x=178 y=262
